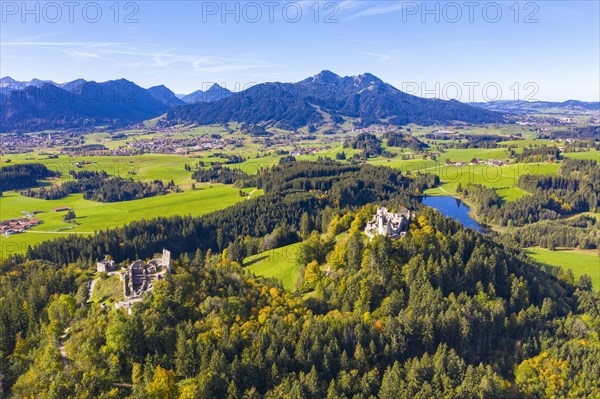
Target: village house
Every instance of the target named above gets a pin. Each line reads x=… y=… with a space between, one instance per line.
x=494 y=162
x=15 y=226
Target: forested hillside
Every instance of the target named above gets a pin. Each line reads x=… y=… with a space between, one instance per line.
x=576 y=189
x=443 y=312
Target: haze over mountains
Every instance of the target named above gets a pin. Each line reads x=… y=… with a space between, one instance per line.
x=527 y=107
x=321 y=100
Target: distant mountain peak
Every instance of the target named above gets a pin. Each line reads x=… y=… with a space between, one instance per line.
x=216 y=87
x=7 y=79
x=325 y=76
x=214 y=93
x=161 y=89
x=39 y=82
x=368 y=76
x=26 y=108
x=163 y=94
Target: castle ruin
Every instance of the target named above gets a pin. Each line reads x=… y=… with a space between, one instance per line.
x=140 y=276
x=385 y=223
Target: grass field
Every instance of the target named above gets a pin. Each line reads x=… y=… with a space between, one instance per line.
x=93 y=216
x=467 y=154
x=142 y=167
x=108 y=290
x=511 y=194
x=594 y=155
x=579 y=262
x=278 y=263
x=502 y=178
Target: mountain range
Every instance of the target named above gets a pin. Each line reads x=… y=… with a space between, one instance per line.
x=74 y=105
x=329 y=98
x=323 y=99
x=80 y=104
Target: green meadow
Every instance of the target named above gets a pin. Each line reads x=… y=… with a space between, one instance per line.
x=279 y=263
x=93 y=216
x=502 y=178
x=578 y=261
x=590 y=155
x=142 y=167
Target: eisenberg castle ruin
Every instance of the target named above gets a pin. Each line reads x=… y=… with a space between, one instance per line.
x=138 y=278
x=385 y=223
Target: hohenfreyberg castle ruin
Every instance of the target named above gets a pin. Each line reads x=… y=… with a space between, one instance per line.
x=385 y=223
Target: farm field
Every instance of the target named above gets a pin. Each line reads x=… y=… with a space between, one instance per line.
x=503 y=178
x=279 y=263
x=467 y=154
x=94 y=216
x=142 y=167
x=590 y=155
x=578 y=261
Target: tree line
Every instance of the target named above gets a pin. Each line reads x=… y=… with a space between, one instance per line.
x=98 y=186
x=14 y=177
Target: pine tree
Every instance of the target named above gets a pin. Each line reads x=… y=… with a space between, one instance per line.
x=390 y=384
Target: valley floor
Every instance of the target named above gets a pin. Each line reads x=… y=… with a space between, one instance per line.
x=580 y=262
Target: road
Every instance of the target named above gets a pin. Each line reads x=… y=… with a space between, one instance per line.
x=58 y=232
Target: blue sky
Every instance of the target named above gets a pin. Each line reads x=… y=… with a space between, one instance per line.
x=544 y=50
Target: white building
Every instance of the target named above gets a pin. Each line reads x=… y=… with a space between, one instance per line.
x=385 y=223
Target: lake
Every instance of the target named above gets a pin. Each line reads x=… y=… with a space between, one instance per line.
x=456 y=209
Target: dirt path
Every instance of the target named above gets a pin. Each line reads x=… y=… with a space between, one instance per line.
x=91 y=287
x=250 y=195
x=61 y=347
x=442 y=188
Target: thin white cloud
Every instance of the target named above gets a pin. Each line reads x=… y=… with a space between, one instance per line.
x=380 y=57
x=376 y=8
x=136 y=55
x=59 y=44
x=83 y=54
